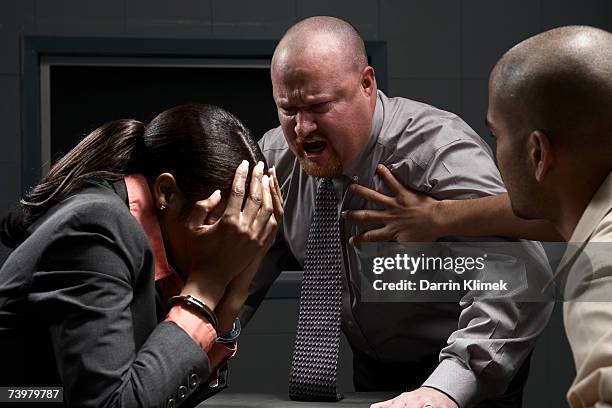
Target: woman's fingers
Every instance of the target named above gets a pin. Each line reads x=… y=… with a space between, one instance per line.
x=252 y=225
x=255 y=199
x=234 y=204
x=277 y=185
x=277 y=197
x=270 y=233
x=202 y=209
x=266 y=209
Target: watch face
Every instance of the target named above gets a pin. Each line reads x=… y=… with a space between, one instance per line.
x=232 y=335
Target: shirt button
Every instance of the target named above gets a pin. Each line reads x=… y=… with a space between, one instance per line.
x=355 y=179
x=182 y=392
x=194 y=380
x=171 y=403
x=350 y=323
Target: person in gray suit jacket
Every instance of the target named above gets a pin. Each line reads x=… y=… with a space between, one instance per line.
x=133 y=217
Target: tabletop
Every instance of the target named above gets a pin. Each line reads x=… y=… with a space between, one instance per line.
x=250 y=400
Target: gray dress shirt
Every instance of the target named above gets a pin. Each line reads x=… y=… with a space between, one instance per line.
x=480 y=344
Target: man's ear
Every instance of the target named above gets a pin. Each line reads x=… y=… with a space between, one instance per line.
x=165 y=191
x=368 y=81
x=541 y=155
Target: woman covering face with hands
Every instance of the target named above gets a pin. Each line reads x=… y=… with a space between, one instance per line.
x=226 y=276
x=132 y=259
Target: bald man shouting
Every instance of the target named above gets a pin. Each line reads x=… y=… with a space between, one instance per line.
x=340 y=145
x=550 y=107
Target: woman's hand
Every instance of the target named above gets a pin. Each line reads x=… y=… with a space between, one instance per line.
x=223 y=250
x=238 y=289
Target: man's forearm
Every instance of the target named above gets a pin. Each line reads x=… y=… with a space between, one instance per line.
x=490 y=216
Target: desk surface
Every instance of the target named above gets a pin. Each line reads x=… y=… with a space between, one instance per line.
x=351 y=400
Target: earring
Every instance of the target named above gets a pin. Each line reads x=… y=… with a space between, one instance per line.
x=162 y=207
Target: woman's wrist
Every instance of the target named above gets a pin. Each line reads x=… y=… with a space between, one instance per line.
x=210 y=293
x=228 y=310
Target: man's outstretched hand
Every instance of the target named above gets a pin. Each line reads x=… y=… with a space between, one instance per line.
x=423 y=397
x=407 y=216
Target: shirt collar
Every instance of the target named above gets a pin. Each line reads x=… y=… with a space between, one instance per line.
x=142 y=208
x=598 y=207
x=363 y=168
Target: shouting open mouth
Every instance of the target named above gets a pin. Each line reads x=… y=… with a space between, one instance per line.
x=314 y=147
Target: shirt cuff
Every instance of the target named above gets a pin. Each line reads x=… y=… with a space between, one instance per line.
x=218 y=355
x=455 y=380
x=196 y=326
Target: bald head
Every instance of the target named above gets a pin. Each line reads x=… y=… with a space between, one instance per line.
x=322 y=37
x=325 y=94
x=550 y=105
x=560 y=82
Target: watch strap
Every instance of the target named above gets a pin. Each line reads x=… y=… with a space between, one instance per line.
x=196 y=305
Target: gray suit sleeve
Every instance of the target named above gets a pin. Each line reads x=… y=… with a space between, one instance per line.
x=492 y=339
x=84 y=289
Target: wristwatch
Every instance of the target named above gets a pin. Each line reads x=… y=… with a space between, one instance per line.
x=232 y=335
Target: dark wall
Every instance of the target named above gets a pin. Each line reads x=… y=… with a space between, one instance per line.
x=440 y=52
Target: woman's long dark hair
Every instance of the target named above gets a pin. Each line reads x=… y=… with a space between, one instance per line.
x=201 y=145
